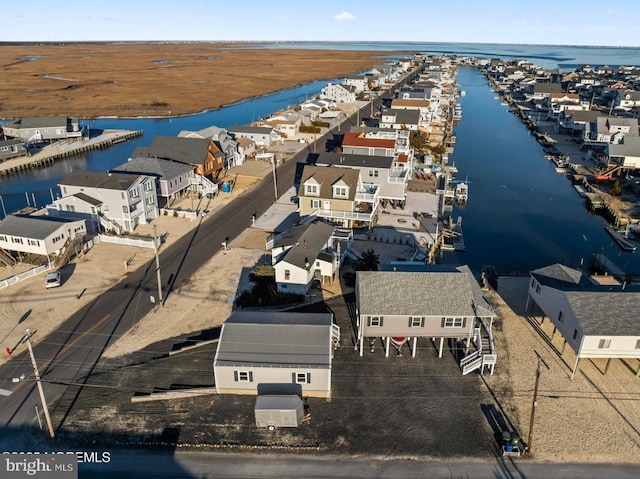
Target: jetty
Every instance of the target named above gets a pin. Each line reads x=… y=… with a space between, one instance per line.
x=65 y=148
x=621 y=240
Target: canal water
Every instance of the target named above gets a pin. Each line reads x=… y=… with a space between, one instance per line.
x=40 y=184
x=521 y=214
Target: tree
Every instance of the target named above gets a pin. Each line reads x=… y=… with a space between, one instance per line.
x=439 y=149
x=615 y=189
x=419 y=141
x=369 y=261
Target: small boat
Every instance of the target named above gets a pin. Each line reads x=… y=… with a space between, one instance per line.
x=622 y=241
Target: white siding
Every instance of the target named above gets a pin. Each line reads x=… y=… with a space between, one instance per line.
x=320 y=385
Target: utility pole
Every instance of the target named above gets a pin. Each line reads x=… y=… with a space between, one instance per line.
x=158 y=276
x=27 y=339
x=535 y=400
x=275 y=183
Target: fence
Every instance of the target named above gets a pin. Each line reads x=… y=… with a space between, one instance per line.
x=191 y=215
x=140 y=243
x=27 y=274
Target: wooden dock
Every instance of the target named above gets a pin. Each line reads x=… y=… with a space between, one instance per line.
x=65 y=148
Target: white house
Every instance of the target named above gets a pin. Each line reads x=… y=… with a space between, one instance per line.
x=118 y=201
x=596 y=321
x=261 y=135
x=304 y=253
x=40 y=235
x=270 y=352
x=339 y=93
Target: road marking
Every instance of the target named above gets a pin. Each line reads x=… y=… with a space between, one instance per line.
x=64 y=350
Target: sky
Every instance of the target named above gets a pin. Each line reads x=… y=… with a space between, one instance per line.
x=556 y=22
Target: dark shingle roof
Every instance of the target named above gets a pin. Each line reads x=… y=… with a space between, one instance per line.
x=260 y=130
x=88 y=199
x=605 y=313
x=35 y=227
x=343 y=159
x=98 y=179
x=307 y=246
x=187 y=150
x=270 y=339
x=159 y=167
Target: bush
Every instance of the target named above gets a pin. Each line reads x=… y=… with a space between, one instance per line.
x=320 y=123
x=309 y=129
x=349 y=278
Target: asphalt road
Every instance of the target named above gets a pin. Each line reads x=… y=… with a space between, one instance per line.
x=69 y=355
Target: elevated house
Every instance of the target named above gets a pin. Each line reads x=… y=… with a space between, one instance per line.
x=172 y=178
x=360 y=82
x=575 y=122
x=112 y=201
x=401 y=307
x=288 y=126
x=262 y=136
x=597 y=321
x=308 y=252
x=201 y=153
x=610 y=129
x=274 y=352
x=627 y=99
x=338 y=195
x=39 y=235
x=389 y=174
x=45 y=129
x=625 y=155
x=12 y=149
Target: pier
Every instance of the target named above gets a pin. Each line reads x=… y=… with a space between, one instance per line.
x=65 y=148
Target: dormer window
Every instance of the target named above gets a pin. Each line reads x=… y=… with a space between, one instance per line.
x=340 y=192
x=311 y=189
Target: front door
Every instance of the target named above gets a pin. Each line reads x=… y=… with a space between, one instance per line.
x=327 y=205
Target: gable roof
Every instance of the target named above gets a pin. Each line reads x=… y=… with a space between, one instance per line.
x=410 y=293
x=267 y=339
x=99 y=179
x=630 y=146
x=399 y=102
x=193 y=151
x=40 y=122
x=307 y=240
x=257 y=130
x=606 y=313
x=159 y=167
x=402 y=116
x=36 y=227
x=327 y=176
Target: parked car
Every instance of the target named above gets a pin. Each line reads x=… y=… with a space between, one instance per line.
x=53 y=279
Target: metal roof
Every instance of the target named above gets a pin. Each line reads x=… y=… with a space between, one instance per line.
x=273 y=338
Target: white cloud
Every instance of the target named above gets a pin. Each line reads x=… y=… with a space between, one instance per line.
x=344 y=16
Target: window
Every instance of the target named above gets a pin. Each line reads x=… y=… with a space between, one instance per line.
x=150 y=201
x=604 y=344
x=243 y=376
x=560 y=318
x=638 y=344
x=125 y=210
x=373 y=173
x=453 y=322
x=416 y=322
x=148 y=186
x=533 y=282
x=315 y=204
x=287 y=274
x=33 y=242
x=105 y=208
x=16 y=240
x=3 y=238
x=311 y=189
x=302 y=378
x=71 y=208
x=375 y=321
x=122 y=195
x=340 y=191
x=538 y=288
x=134 y=192
x=575 y=334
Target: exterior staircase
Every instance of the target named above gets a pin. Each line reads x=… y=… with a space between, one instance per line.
x=69 y=251
x=204 y=185
x=6 y=258
x=484 y=355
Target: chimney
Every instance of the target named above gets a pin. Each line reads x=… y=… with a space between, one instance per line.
x=304 y=242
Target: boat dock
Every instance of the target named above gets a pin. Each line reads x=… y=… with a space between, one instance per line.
x=65 y=148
